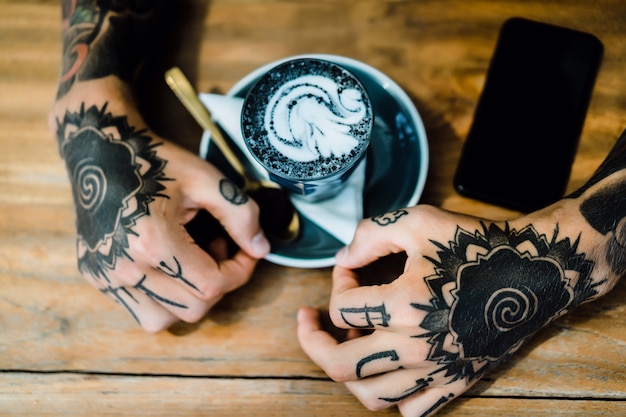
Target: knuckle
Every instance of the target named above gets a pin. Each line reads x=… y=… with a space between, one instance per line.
x=340 y=372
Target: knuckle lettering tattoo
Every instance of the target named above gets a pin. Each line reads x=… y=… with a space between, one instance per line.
x=178 y=274
x=365 y=317
x=391 y=354
x=389 y=218
x=115 y=175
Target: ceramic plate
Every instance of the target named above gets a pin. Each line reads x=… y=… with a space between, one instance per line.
x=397 y=161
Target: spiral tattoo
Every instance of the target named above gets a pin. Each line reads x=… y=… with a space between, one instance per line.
x=505 y=284
x=115 y=174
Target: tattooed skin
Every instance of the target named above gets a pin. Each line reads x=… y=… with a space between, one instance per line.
x=389 y=218
x=365 y=317
x=507 y=284
x=115 y=174
x=89 y=52
x=605 y=210
x=391 y=354
x=232 y=193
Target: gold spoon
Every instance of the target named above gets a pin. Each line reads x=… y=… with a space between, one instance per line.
x=278 y=216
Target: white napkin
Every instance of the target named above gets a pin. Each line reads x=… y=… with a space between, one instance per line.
x=339 y=215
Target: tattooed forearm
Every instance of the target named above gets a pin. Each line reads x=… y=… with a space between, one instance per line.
x=115 y=174
x=365 y=317
x=105 y=37
x=605 y=209
x=391 y=354
x=389 y=218
x=505 y=285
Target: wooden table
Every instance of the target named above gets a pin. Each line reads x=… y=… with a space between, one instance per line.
x=67 y=350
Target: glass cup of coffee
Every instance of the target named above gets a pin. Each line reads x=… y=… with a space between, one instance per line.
x=308 y=122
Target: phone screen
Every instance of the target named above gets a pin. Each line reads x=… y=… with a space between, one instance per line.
x=523 y=139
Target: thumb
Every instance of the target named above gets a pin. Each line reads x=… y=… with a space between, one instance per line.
x=371 y=242
x=231 y=206
x=239 y=215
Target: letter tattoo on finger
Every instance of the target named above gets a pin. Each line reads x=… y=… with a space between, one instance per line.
x=178 y=274
x=365 y=317
x=391 y=354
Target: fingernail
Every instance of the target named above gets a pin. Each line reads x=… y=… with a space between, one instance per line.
x=342 y=254
x=260 y=245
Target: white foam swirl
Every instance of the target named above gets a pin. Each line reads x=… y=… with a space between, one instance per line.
x=311 y=117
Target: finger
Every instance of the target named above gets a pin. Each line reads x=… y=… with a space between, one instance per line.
x=201 y=275
x=374 y=239
x=160 y=288
x=387 y=307
x=146 y=312
x=202 y=186
x=431 y=400
x=361 y=357
x=237 y=213
x=386 y=390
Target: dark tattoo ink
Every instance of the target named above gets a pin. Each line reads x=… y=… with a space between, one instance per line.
x=389 y=218
x=437 y=405
x=115 y=174
x=178 y=274
x=140 y=287
x=605 y=209
x=391 y=354
x=420 y=385
x=117 y=294
x=232 y=193
x=365 y=317
x=89 y=52
x=506 y=285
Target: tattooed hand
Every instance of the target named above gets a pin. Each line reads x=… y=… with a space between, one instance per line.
x=134 y=192
x=471 y=294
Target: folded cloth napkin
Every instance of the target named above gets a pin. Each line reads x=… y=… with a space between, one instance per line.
x=339 y=215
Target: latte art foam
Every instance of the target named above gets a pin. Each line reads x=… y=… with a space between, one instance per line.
x=307 y=119
x=311 y=117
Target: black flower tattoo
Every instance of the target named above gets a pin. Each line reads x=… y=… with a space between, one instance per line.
x=507 y=284
x=115 y=174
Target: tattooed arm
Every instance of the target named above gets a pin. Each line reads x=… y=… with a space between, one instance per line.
x=472 y=292
x=134 y=191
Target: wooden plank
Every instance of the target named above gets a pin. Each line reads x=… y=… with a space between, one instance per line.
x=101 y=395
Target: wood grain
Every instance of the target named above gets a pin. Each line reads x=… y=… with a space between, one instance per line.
x=67 y=350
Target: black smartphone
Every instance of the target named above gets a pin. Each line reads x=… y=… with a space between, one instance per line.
x=526 y=127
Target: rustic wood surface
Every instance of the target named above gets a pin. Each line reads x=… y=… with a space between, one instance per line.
x=67 y=350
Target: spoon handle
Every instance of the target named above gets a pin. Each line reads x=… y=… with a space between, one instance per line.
x=185 y=92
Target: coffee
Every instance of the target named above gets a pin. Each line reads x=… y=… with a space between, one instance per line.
x=308 y=122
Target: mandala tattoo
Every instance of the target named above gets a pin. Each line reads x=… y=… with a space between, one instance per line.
x=115 y=175
x=389 y=218
x=507 y=284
